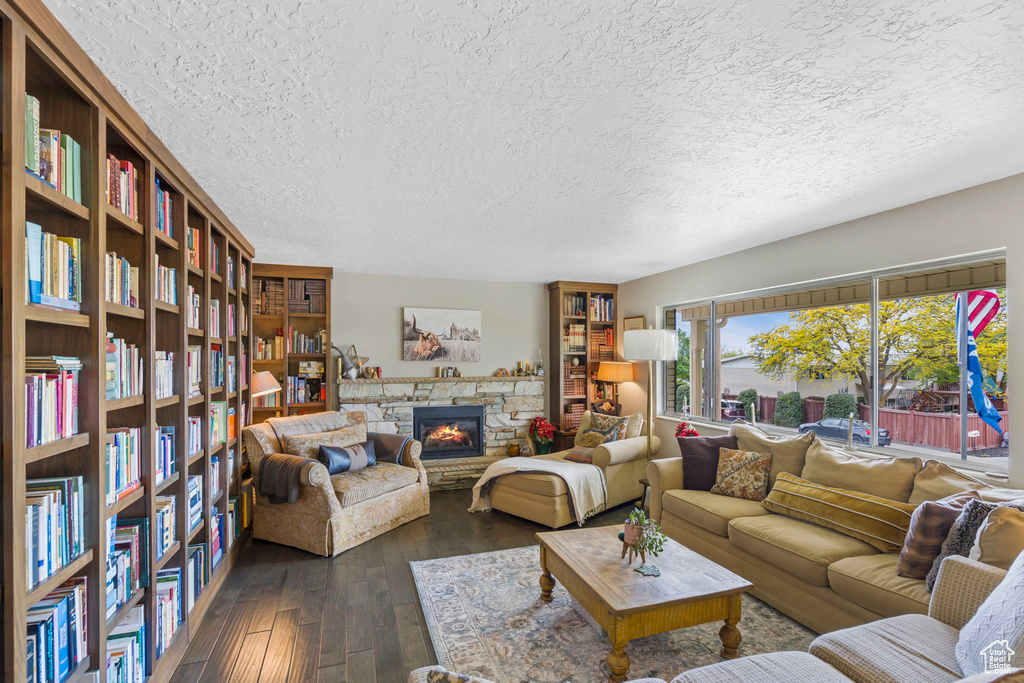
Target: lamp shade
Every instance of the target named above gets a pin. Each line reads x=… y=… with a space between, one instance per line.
x=263 y=383
x=613 y=371
x=649 y=344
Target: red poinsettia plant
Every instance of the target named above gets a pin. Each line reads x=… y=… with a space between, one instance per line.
x=686 y=429
x=541 y=430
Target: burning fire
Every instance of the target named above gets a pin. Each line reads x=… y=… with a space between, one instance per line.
x=448 y=435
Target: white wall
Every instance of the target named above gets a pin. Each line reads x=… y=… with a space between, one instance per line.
x=366 y=310
x=984 y=217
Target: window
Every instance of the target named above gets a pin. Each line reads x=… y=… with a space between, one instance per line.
x=885 y=348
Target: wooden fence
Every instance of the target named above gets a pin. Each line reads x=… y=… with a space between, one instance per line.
x=935 y=430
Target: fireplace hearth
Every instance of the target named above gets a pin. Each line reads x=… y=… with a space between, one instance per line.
x=449 y=431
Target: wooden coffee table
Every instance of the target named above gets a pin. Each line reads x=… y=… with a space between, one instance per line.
x=691 y=590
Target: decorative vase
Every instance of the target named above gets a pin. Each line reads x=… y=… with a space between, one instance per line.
x=542 y=448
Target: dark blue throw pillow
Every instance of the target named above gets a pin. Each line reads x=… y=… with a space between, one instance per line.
x=347 y=459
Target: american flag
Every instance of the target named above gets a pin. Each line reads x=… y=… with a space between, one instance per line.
x=982 y=306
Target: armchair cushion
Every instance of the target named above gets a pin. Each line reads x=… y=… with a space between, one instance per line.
x=308 y=445
x=625 y=450
x=384 y=477
x=962 y=586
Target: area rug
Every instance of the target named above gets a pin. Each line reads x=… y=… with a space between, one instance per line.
x=486 y=618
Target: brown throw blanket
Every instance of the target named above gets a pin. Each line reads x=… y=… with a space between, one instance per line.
x=280 y=477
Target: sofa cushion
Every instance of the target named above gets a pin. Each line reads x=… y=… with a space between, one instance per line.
x=788 y=452
x=928 y=530
x=741 y=474
x=700 y=459
x=308 y=445
x=872 y=582
x=326 y=421
x=799 y=548
x=540 y=484
x=384 y=477
x=998 y=624
x=709 y=510
x=619 y=425
x=877 y=521
x=911 y=647
x=889 y=478
x=1000 y=539
x=938 y=480
x=792 y=667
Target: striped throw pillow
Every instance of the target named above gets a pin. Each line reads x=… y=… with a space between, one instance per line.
x=580 y=454
x=877 y=521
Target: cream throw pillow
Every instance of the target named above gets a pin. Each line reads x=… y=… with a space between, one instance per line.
x=1000 y=539
x=788 y=452
x=308 y=445
x=889 y=478
x=938 y=480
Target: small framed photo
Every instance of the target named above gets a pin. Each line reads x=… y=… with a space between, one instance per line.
x=636 y=322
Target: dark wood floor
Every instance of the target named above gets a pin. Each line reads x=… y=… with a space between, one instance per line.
x=286 y=615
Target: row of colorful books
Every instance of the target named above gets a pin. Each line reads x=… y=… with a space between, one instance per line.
x=166 y=283
x=58 y=632
x=54 y=525
x=123 y=451
x=164 y=523
x=166 y=457
x=169 y=607
x=218 y=422
x=52 y=156
x=126 y=648
x=216 y=537
x=193 y=308
x=195 y=500
x=194 y=360
x=602 y=308
x=192 y=239
x=574 y=338
x=121 y=282
x=127 y=569
x=163 y=374
x=304 y=389
x=51 y=398
x=215 y=258
x=53 y=270
x=268 y=349
x=232 y=378
x=214 y=473
x=123 y=368
x=123 y=186
x=298 y=342
x=164 y=210
x=574 y=304
x=194 y=434
x=214 y=318
x=216 y=365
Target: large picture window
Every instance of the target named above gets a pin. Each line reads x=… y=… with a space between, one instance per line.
x=880 y=359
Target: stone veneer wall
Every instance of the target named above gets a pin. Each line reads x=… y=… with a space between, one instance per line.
x=511 y=402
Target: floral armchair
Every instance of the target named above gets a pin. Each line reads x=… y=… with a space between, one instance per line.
x=335 y=513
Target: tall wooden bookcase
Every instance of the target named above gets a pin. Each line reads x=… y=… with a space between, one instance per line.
x=266 y=325
x=39 y=57
x=588 y=309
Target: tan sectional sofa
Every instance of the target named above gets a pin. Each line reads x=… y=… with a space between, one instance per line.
x=820 y=577
x=543 y=498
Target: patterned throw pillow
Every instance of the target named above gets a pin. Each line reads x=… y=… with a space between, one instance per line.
x=742 y=474
x=929 y=528
x=580 y=454
x=592 y=438
x=994 y=636
x=605 y=422
x=308 y=445
x=963 y=532
x=340 y=459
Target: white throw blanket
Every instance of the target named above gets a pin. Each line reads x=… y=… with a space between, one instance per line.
x=588 y=493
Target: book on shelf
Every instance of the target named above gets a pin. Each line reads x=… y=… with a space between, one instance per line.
x=243 y=364
x=58 y=632
x=215 y=258
x=52 y=156
x=231 y=528
x=602 y=308
x=218 y=422
x=192 y=239
x=53 y=268
x=195 y=567
x=195 y=500
x=194 y=361
x=122 y=281
x=127 y=561
x=123 y=186
x=214 y=328
x=574 y=304
x=166 y=283
x=126 y=648
x=232 y=379
x=54 y=525
x=231 y=272
x=123 y=451
x=169 y=606
x=51 y=398
x=245 y=274
x=232 y=320
x=163 y=438
x=31 y=134
x=123 y=369
x=231 y=459
x=216 y=365
x=164 y=215
x=297 y=342
x=574 y=338
x=232 y=424
x=245 y=319
x=193 y=311
x=195 y=434
x=216 y=537
x=215 y=474
x=163 y=374
x=164 y=524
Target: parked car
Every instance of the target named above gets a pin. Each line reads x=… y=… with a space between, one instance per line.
x=836 y=428
x=733 y=410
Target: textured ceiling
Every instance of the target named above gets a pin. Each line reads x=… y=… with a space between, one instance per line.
x=536 y=140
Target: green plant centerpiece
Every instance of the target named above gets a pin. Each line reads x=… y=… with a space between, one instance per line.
x=641 y=536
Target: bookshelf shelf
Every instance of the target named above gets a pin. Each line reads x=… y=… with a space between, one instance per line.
x=307 y=315
x=216 y=340
x=122 y=503
x=166 y=307
x=49 y=81
x=194 y=531
x=125 y=311
x=307 y=404
x=307 y=355
x=120 y=220
x=72 y=568
x=58 y=447
x=56 y=316
x=126 y=402
x=196 y=457
x=39 y=190
x=267 y=316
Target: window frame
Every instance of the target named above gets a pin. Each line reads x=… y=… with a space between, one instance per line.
x=873 y=277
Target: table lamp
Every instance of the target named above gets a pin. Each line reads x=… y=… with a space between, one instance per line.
x=263 y=383
x=651 y=346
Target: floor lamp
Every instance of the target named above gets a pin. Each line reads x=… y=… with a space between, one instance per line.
x=651 y=346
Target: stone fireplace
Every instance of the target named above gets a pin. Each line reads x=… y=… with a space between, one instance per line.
x=449 y=431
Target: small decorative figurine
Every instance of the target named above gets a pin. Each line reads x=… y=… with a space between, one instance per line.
x=502 y=372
